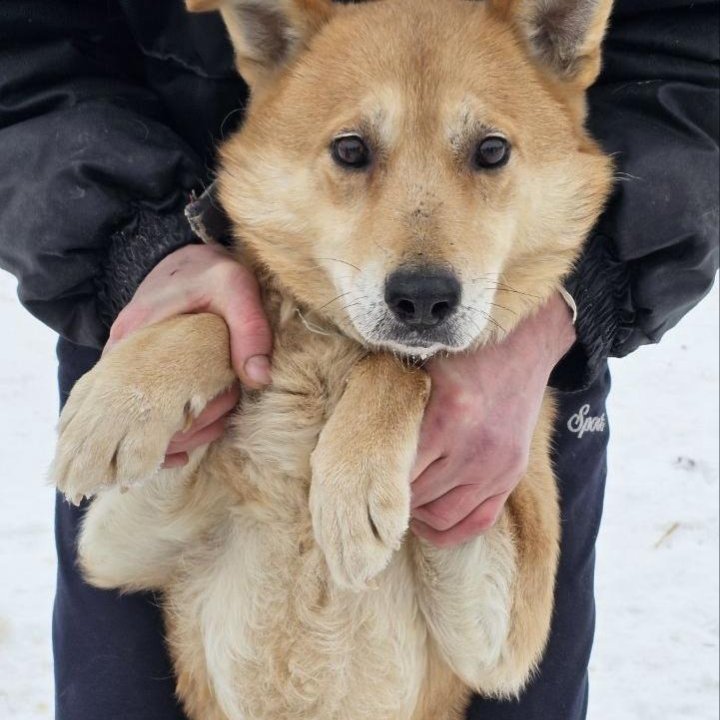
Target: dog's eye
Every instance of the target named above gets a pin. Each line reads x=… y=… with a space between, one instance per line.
x=492 y=152
x=350 y=151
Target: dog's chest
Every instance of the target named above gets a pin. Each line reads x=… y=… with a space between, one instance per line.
x=278 y=430
x=281 y=643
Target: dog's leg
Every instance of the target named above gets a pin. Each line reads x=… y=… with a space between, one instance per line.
x=133 y=540
x=120 y=417
x=127 y=541
x=360 y=490
x=488 y=603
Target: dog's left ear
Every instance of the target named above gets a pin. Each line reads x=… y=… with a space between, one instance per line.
x=267 y=34
x=565 y=36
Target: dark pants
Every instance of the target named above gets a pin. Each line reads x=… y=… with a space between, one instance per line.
x=110 y=659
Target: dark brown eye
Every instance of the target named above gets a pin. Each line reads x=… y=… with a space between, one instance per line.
x=492 y=152
x=350 y=151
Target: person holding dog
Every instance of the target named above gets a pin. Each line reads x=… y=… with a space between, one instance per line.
x=109 y=120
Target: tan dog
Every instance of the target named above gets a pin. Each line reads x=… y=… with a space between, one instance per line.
x=413 y=176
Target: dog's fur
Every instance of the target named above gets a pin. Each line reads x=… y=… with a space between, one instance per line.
x=290 y=588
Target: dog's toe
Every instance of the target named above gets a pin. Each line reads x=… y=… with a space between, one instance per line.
x=360 y=530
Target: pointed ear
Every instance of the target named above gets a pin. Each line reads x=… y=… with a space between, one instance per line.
x=564 y=35
x=267 y=34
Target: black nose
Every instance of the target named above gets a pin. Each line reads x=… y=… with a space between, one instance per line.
x=422 y=298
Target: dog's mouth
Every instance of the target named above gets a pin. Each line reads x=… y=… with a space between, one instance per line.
x=422 y=344
x=422 y=312
x=383 y=331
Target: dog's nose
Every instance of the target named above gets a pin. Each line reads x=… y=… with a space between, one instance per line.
x=422 y=298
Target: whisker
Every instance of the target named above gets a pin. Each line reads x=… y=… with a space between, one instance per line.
x=477 y=327
x=353 y=304
x=502 y=307
x=344 y=262
x=328 y=304
x=488 y=317
x=226 y=118
x=625 y=176
x=506 y=288
x=494 y=322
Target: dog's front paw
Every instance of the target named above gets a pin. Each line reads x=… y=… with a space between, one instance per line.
x=115 y=430
x=121 y=416
x=360 y=512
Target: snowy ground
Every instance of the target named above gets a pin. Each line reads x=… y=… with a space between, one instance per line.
x=657 y=647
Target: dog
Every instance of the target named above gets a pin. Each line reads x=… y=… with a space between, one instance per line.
x=413 y=177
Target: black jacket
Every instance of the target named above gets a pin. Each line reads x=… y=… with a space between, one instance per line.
x=110 y=111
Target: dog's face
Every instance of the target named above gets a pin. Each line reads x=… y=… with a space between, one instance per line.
x=416 y=171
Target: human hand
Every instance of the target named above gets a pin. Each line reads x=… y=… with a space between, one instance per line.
x=202 y=278
x=475 y=440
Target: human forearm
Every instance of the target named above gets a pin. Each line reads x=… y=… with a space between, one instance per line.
x=86 y=155
x=655 y=252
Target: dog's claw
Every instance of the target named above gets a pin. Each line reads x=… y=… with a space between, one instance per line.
x=360 y=520
x=113 y=435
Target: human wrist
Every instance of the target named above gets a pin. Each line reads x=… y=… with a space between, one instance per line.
x=547 y=335
x=562 y=334
x=600 y=286
x=134 y=250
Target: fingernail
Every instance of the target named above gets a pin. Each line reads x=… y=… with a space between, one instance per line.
x=257 y=368
x=176 y=460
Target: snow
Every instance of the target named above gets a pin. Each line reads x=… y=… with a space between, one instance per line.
x=656 y=653
x=28 y=407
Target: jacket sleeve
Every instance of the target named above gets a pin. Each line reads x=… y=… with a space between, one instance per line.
x=654 y=254
x=91 y=174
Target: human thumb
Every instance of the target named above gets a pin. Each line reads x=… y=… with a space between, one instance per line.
x=250 y=333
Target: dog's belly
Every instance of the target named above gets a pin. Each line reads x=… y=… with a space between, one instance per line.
x=257 y=628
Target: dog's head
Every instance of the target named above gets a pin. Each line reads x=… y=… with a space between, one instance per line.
x=415 y=171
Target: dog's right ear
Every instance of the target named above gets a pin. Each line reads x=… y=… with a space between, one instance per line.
x=565 y=36
x=267 y=34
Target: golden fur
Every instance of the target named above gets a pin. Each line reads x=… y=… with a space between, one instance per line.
x=291 y=589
